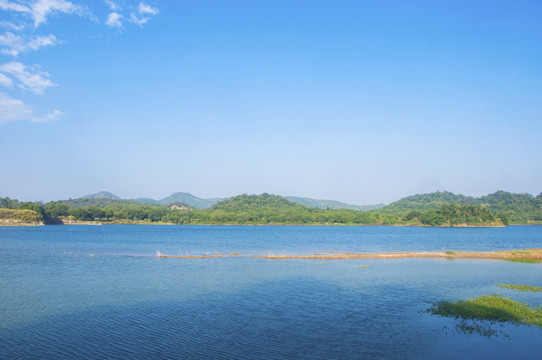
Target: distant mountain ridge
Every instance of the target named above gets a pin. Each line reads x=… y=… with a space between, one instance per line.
x=201 y=203
x=102 y=195
x=104 y=198
x=190 y=199
x=332 y=204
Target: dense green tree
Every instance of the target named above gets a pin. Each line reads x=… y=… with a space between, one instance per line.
x=55 y=209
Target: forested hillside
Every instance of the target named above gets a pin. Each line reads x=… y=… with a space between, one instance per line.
x=423 y=202
x=519 y=208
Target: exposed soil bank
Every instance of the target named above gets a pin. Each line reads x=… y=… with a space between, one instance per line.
x=17 y=222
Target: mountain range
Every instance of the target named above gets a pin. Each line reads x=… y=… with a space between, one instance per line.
x=104 y=197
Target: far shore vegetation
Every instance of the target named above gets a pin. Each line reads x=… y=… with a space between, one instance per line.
x=441 y=209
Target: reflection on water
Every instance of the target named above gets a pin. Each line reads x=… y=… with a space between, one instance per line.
x=110 y=306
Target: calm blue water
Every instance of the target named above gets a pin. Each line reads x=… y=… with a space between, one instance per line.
x=97 y=292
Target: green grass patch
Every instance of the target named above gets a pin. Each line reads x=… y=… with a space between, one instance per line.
x=526 y=251
x=363 y=266
x=526 y=288
x=524 y=260
x=450 y=252
x=493 y=308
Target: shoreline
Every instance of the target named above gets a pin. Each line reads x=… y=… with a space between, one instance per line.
x=142 y=222
x=531 y=254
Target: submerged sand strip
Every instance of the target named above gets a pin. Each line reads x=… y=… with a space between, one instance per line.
x=535 y=254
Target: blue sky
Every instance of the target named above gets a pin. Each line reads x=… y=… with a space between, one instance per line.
x=357 y=101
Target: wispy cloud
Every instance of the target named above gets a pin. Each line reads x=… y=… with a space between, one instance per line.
x=113 y=6
x=5 y=81
x=11 y=26
x=16 y=110
x=41 y=41
x=15 y=44
x=35 y=82
x=42 y=8
x=114 y=20
x=147 y=9
x=137 y=20
x=13 y=6
x=143 y=10
x=39 y=10
x=26 y=17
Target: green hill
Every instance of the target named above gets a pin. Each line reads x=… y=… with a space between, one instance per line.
x=423 y=202
x=519 y=208
x=256 y=202
x=274 y=209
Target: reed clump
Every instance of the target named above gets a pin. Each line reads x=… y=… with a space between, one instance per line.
x=492 y=307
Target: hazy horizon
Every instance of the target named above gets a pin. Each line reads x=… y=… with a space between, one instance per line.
x=358 y=102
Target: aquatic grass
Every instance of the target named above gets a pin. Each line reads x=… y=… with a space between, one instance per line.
x=526 y=288
x=493 y=308
x=526 y=251
x=363 y=266
x=524 y=260
x=450 y=252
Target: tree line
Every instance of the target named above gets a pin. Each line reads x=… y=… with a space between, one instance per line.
x=262 y=209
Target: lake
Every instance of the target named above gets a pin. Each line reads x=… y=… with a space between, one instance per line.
x=100 y=292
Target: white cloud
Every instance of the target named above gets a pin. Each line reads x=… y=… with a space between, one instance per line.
x=143 y=9
x=15 y=110
x=138 y=21
x=12 y=42
x=42 y=8
x=19 y=38
x=54 y=115
x=147 y=9
x=11 y=26
x=13 y=6
x=42 y=41
x=16 y=44
x=113 y=6
x=5 y=81
x=114 y=20
x=35 y=82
